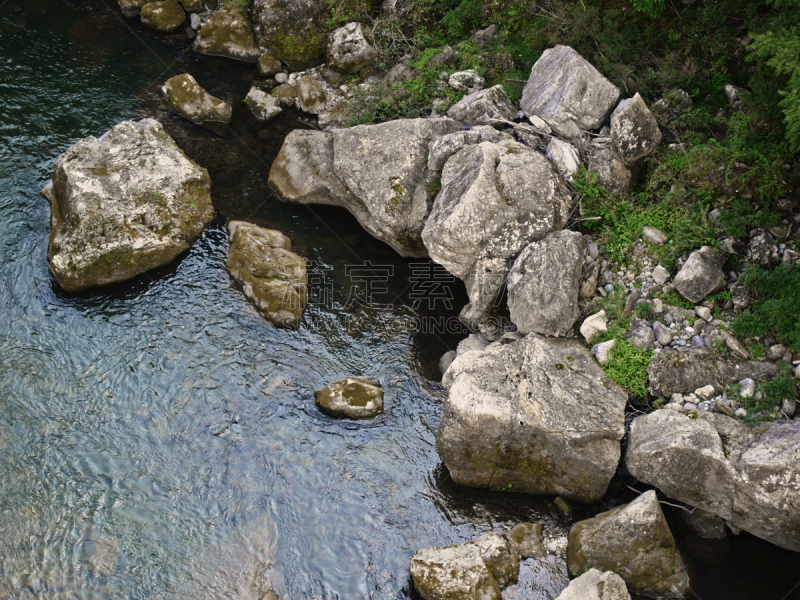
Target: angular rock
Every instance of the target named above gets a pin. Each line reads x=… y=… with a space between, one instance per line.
x=736 y=95
x=663 y=333
x=682 y=372
x=351 y=48
x=612 y=172
x=285 y=93
x=268 y=65
x=310 y=95
x=453 y=573
x=701 y=275
x=763 y=249
x=123 y=204
x=353 y=398
x=564 y=157
x=641 y=335
x=660 y=275
x=272 y=277
x=472 y=342
x=500 y=558
x=635 y=542
x=594 y=325
x=466 y=80
x=634 y=129
x=446 y=58
x=228 y=33
x=479 y=106
x=528 y=415
x=654 y=236
x=441 y=149
x=596 y=585
x=748 y=476
x=262 y=106
x=603 y=351
x=292 y=30
x=191 y=101
x=377 y=172
x=543 y=284
x=526 y=539
x=165 y=16
x=495 y=199
x=565 y=90
x=530 y=135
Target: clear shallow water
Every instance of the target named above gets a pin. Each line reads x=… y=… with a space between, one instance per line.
x=157 y=438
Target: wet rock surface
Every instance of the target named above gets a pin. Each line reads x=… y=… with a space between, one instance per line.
x=228 y=33
x=352 y=398
x=192 y=102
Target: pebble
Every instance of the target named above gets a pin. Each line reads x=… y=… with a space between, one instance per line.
x=698 y=341
x=703 y=312
x=281 y=78
x=608 y=287
x=689 y=406
x=748 y=388
x=706 y=392
x=551 y=547
x=593 y=250
x=740 y=412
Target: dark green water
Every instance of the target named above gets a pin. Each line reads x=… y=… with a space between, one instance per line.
x=158 y=439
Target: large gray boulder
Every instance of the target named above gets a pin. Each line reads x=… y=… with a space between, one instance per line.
x=292 y=30
x=748 y=476
x=351 y=48
x=495 y=199
x=634 y=129
x=272 y=277
x=528 y=416
x=544 y=282
x=441 y=149
x=700 y=275
x=192 y=102
x=122 y=204
x=228 y=33
x=596 y=585
x=565 y=90
x=674 y=371
x=377 y=172
x=482 y=106
x=633 y=541
x=453 y=573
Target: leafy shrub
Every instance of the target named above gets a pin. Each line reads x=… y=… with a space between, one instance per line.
x=627 y=367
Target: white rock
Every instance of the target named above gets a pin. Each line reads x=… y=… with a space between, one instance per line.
x=660 y=275
x=654 y=236
x=705 y=393
x=466 y=80
x=564 y=157
x=603 y=351
x=263 y=106
x=281 y=78
x=596 y=585
x=594 y=326
x=703 y=312
x=748 y=388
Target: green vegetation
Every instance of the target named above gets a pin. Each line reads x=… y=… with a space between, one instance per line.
x=762 y=406
x=778 y=311
x=628 y=367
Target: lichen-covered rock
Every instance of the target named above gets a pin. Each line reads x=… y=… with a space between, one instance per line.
x=272 y=277
x=564 y=157
x=228 y=33
x=596 y=585
x=544 y=282
x=673 y=371
x=536 y=416
x=122 y=204
x=453 y=573
x=191 y=101
x=292 y=30
x=763 y=249
x=565 y=90
x=286 y=95
x=526 y=539
x=262 y=106
x=635 y=542
x=480 y=106
x=701 y=275
x=641 y=336
x=351 y=48
x=268 y=65
x=748 y=476
x=634 y=129
x=310 y=95
x=495 y=200
x=612 y=172
x=466 y=80
x=441 y=149
x=353 y=398
x=165 y=16
x=131 y=8
x=500 y=558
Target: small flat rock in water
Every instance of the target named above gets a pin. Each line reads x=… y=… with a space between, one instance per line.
x=191 y=101
x=272 y=277
x=500 y=556
x=353 y=398
x=565 y=90
x=122 y=204
x=453 y=573
x=164 y=17
x=262 y=106
x=596 y=585
x=634 y=129
x=228 y=33
x=526 y=538
x=635 y=542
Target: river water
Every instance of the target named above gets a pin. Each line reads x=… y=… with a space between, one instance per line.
x=158 y=439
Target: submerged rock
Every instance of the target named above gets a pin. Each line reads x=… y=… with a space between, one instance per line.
x=228 y=33
x=748 y=476
x=351 y=48
x=123 y=204
x=272 y=277
x=526 y=539
x=635 y=542
x=165 y=16
x=495 y=200
x=354 y=398
x=535 y=416
x=565 y=90
x=191 y=101
x=596 y=585
x=544 y=282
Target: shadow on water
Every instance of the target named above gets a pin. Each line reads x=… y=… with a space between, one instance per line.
x=158 y=439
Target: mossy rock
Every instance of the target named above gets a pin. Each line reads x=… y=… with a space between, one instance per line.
x=192 y=6
x=131 y=8
x=190 y=100
x=165 y=16
x=293 y=30
x=272 y=277
x=228 y=33
x=353 y=398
